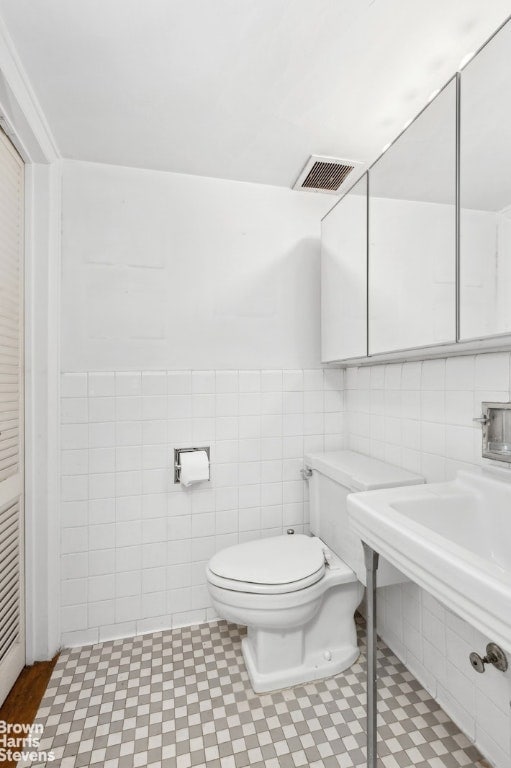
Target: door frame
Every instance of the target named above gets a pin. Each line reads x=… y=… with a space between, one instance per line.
x=22 y=119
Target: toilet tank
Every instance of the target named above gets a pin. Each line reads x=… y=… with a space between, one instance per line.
x=335 y=475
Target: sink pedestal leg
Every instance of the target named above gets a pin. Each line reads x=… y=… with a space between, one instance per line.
x=371 y=563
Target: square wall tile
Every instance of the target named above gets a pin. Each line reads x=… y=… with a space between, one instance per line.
x=154 y=383
x=226 y=381
x=73 y=385
x=203 y=382
x=271 y=381
x=249 y=381
x=128 y=383
x=101 y=384
x=179 y=382
x=492 y=371
x=118 y=434
x=292 y=381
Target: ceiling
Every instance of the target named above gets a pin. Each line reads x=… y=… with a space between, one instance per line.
x=239 y=89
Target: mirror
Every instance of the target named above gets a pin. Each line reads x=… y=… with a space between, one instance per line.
x=344 y=277
x=412 y=233
x=485 y=191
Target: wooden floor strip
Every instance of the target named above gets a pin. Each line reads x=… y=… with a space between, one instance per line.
x=23 y=701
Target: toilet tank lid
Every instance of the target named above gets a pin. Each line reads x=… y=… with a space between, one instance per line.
x=359 y=472
x=275 y=560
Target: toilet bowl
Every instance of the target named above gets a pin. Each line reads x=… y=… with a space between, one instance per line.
x=298 y=594
x=298 y=608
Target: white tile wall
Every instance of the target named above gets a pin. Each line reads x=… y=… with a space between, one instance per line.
x=419 y=415
x=134 y=545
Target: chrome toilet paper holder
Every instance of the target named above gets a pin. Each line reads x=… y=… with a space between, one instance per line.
x=177 y=460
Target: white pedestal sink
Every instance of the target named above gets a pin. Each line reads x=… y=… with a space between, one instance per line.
x=454 y=539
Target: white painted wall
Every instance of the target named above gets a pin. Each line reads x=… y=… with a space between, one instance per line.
x=164 y=270
x=418 y=415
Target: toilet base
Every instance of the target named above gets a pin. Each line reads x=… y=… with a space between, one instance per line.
x=324 y=646
x=313 y=667
x=299 y=636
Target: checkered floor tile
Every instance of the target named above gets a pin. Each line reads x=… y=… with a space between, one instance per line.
x=182 y=699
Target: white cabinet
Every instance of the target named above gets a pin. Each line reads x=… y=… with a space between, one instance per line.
x=416 y=257
x=388 y=248
x=344 y=277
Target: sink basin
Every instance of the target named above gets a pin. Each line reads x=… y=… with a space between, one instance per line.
x=454 y=539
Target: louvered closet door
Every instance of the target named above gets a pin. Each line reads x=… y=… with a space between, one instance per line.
x=12 y=614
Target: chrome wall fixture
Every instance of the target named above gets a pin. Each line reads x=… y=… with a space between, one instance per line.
x=177 y=459
x=494 y=655
x=495 y=421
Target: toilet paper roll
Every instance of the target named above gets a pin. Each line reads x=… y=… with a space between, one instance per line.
x=194 y=467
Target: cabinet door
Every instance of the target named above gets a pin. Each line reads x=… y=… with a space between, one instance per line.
x=344 y=277
x=412 y=233
x=12 y=620
x=485 y=191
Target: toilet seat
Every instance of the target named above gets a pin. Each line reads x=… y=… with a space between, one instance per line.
x=250 y=587
x=277 y=565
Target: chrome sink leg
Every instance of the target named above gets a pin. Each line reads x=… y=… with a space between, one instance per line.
x=371 y=563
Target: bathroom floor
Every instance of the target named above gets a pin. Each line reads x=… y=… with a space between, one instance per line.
x=182 y=698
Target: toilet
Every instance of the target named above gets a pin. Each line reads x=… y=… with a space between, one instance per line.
x=297 y=595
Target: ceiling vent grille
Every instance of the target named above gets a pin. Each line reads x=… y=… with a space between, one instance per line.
x=325 y=174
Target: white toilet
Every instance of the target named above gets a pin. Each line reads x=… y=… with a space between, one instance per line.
x=298 y=594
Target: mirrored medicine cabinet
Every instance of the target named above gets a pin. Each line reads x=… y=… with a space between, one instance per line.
x=425 y=267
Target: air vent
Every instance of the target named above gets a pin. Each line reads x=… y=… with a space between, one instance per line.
x=326 y=174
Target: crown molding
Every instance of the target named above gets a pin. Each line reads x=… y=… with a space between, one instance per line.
x=20 y=108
